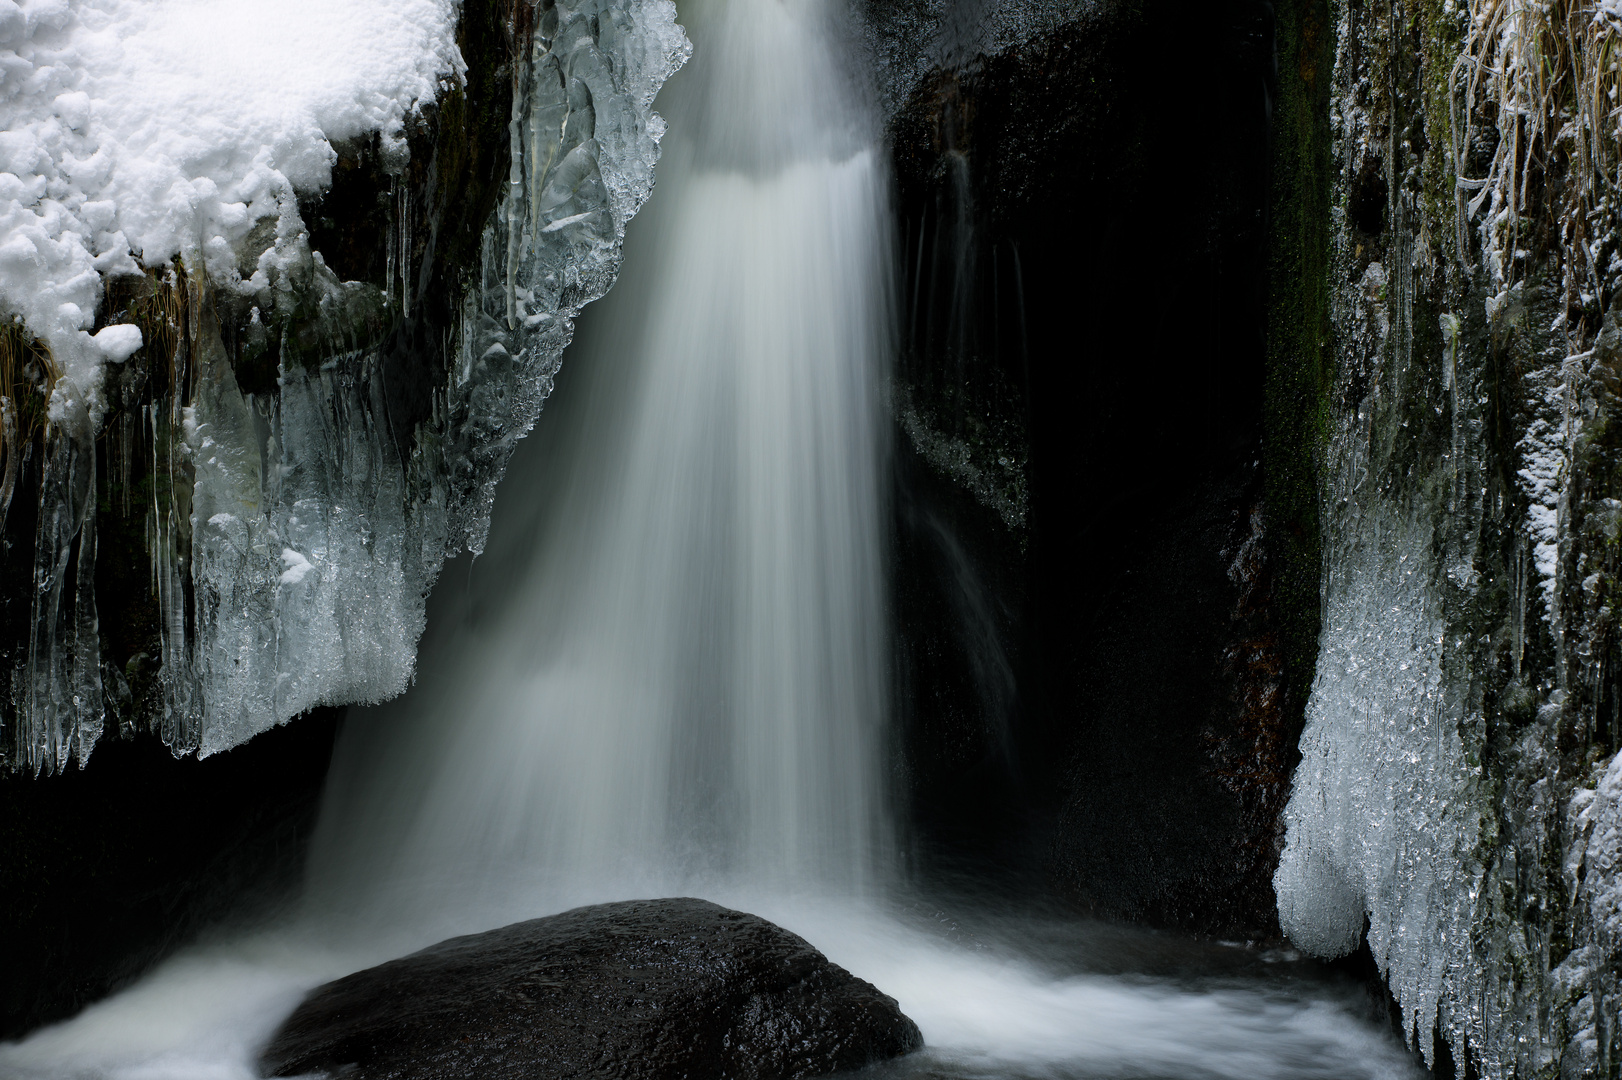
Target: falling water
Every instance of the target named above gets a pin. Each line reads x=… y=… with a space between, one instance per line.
x=675 y=670
x=666 y=673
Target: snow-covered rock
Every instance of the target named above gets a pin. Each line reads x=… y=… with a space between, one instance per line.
x=299 y=452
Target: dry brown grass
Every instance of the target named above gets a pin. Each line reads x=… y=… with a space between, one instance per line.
x=28 y=374
x=1548 y=75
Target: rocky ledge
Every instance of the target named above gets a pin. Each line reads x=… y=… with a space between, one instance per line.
x=637 y=989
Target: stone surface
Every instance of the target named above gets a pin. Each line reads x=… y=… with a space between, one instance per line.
x=1465 y=705
x=641 y=988
x=1092 y=685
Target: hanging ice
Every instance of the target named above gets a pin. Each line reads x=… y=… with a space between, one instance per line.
x=293 y=533
x=319 y=473
x=1383 y=822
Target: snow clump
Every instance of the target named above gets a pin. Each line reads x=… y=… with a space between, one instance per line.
x=146 y=129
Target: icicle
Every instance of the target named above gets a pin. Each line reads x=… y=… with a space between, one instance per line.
x=86 y=687
x=515 y=180
x=391 y=272
x=9 y=446
x=404 y=211
x=61 y=711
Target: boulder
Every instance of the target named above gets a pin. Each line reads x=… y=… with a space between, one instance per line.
x=638 y=989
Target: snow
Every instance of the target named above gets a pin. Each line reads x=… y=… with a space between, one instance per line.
x=297 y=566
x=1545 y=450
x=134 y=132
x=118 y=343
x=147 y=129
x=323 y=526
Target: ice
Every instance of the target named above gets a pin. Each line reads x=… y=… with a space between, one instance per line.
x=584 y=144
x=207 y=118
x=150 y=130
x=1585 y=983
x=1390 y=821
x=1384 y=821
x=61 y=713
x=1440 y=805
x=319 y=472
x=1434 y=798
x=1602 y=884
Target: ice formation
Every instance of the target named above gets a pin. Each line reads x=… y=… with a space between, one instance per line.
x=276 y=639
x=293 y=534
x=1448 y=808
x=1384 y=820
x=1427 y=809
x=1588 y=976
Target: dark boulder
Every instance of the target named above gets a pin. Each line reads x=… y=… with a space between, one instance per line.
x=643 y=988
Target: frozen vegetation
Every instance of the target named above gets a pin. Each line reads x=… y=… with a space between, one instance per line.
x=1457 y=793
x=293 y=532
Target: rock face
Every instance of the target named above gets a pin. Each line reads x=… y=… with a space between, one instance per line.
x=1460 y=742
x=642 y=988
x=247 y=526
x=1091 y=679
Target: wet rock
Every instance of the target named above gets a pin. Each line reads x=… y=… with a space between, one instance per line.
x=642 y=988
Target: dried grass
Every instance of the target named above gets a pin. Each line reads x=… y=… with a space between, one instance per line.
x=1548 y=75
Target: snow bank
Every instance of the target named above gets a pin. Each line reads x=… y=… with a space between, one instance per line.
x=294 y=532
x=146 y=129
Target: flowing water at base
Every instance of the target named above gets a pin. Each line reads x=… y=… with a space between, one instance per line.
x=665 y=676
x=996 y=999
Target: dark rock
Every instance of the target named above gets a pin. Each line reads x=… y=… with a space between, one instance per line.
x=1088 y=696
x=642 y=988
x=94 y=894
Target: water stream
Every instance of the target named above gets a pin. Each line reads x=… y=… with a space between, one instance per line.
x=666 y=675
x=673 y=669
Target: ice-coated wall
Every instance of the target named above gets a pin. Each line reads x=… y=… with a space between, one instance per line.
x=1454 y=806
x=294 y=527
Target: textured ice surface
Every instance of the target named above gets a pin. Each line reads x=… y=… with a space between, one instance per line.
x=584 y=144
x=315 y=538
x=1593 y=871
x=1429 y=802
x=1383 y=821
x=1388 y=815
x=293 y=535
x=1602 y=856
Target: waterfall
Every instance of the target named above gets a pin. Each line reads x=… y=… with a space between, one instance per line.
x=666 y=673
x=675 y=671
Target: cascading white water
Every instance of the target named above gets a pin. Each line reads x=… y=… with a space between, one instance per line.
x=666 y=674
x=676 y=672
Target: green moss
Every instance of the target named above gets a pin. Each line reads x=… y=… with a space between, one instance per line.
x=1441 y=40
x=1298 y=368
